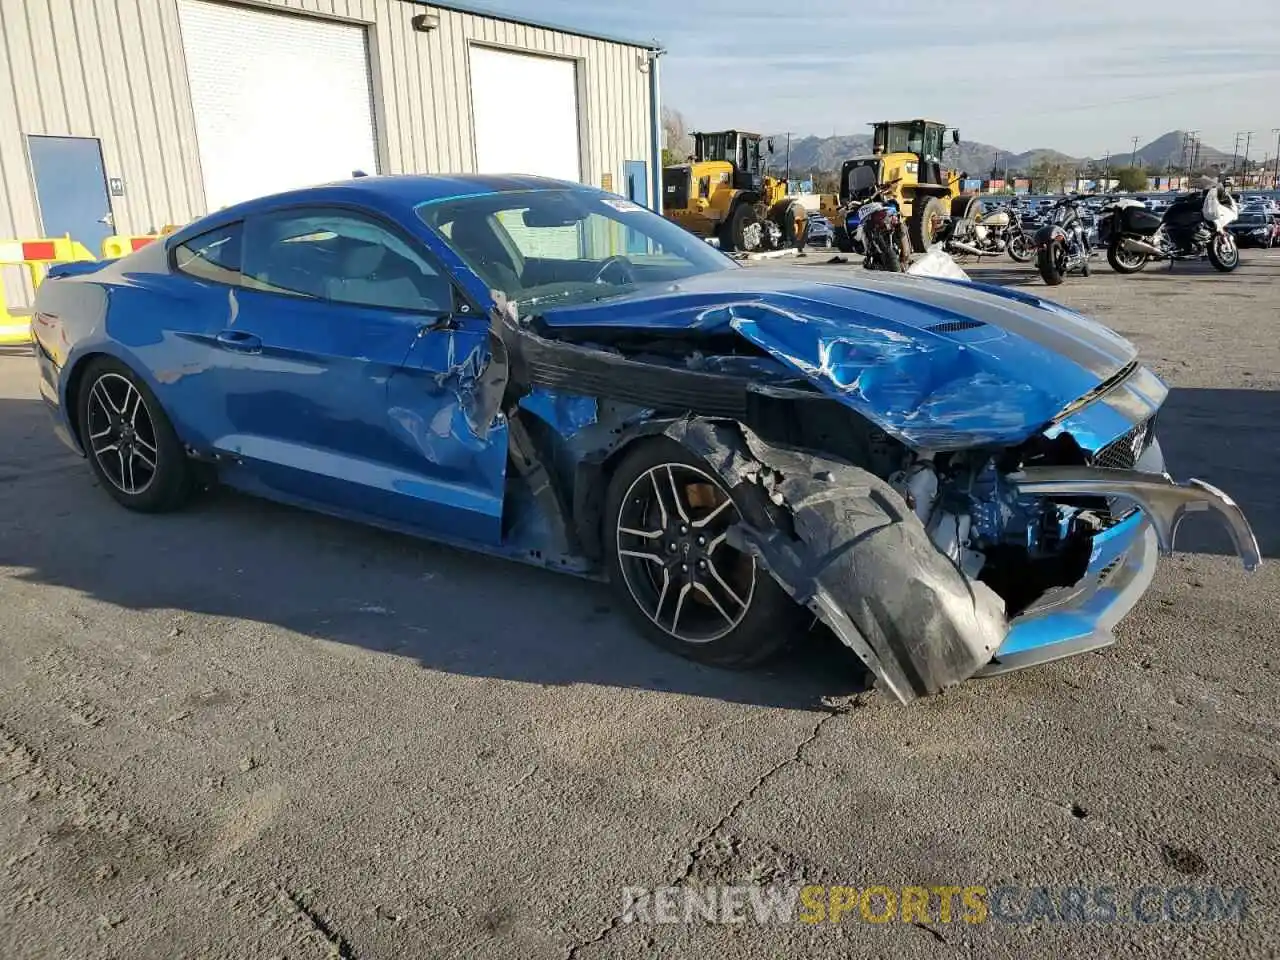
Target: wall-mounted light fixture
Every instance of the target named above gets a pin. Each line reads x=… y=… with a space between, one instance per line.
x=425 y=22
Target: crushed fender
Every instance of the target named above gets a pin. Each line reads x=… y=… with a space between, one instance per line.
x=860 y=560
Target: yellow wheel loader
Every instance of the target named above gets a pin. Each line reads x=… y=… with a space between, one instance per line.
x=910 y=153
x=725 y=192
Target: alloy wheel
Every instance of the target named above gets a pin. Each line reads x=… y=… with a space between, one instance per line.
x=672 y=532
x=1129 y=258
x=121 y=434
x=1228 y=252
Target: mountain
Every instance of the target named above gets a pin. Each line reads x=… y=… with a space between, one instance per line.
x=976 y=159
x=1167 y=151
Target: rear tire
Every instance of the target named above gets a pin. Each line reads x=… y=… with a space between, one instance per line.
x=128 y=440
x=716 y=606
x=1049 y=261
x=792 y=219
x=1223 y=253
x=881 y=254
x=1124 y=261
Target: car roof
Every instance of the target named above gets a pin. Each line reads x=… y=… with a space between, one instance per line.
x=395 y=194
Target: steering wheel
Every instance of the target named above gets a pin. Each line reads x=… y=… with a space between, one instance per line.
x=622 y=263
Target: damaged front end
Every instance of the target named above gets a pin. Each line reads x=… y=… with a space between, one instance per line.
x=952 y=507
x=964 y=564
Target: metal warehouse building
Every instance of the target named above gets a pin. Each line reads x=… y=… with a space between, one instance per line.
x=122 y=116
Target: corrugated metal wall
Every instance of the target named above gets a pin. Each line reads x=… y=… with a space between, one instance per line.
x=114 y=69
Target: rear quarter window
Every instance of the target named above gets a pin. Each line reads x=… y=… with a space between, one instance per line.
x=212 y=256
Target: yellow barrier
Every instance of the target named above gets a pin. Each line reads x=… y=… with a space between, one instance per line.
x=121 y=245
x=34 y=255
x=14 y=327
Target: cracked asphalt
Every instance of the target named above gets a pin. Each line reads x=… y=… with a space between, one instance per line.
x=247 y=731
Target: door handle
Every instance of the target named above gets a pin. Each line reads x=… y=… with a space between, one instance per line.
x=239 y=341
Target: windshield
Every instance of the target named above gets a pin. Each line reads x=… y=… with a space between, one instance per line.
x=1252 y=219
x=558 y=247
x=861 y=179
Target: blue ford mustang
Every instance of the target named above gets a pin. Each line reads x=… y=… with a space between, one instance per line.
x=955 y=479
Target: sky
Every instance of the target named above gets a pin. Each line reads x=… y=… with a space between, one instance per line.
x=1082 y=77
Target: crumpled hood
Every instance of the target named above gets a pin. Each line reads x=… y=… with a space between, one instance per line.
x=939 y=364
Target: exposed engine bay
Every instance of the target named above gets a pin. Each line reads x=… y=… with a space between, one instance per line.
x=1021 y=545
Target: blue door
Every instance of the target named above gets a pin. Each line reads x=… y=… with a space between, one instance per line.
x=71 y=188
x=343 y=378
x=636 y=173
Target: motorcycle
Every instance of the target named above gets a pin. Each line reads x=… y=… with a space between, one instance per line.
x=1194 y=226
x=875 y=225
x=1062 y=244
x=990 y=235
x=1020 y=245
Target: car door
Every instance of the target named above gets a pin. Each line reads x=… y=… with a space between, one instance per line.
x=321 y=403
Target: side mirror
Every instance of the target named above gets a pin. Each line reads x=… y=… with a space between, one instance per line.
x=955 y=137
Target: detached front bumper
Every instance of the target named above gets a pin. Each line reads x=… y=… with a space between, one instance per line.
x=1081 y=618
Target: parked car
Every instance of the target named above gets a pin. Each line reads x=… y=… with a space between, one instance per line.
x=955 y=479
x=820 y=232
x=1256 y=229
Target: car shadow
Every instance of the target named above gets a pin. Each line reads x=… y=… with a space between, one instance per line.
x=1001 y=276
x=452 y=610
x=1226 y=438
x=234 y=556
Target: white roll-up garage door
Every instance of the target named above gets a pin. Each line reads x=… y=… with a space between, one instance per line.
x=280 y=100
x=525 y=111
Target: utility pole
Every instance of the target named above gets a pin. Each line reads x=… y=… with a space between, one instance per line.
x=1133 y=160
x=1235 y=155
x=1275 y=181
x=1244 y=176
x=1106 y=176
x=788 y=159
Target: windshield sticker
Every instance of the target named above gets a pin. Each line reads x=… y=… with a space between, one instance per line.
x=622 y=206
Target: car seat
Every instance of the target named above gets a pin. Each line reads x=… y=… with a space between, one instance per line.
x=371 y=273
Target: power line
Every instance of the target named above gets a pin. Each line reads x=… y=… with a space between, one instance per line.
x=1275 y=181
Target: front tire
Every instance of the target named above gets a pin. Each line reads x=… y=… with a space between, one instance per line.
x=1122 y=260
x=129 y=442
x=1051 y=261
x=745 y=231
x=1021 y=248
x=1223 y=253
x=927 y=216
x=666 y=518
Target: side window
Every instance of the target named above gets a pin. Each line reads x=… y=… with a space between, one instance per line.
x=341 y=257
x=212 y=256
